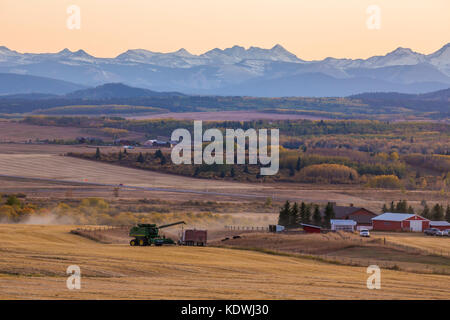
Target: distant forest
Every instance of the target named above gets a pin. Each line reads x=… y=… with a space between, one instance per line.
x=377 y=154
x=358 y=107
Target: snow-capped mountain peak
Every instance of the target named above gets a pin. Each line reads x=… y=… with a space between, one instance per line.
x=234 y=68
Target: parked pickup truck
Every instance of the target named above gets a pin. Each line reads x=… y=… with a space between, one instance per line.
x=433 y=232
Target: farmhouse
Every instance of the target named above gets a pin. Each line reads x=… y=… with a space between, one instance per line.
x=441 y=225
x=400 y=222
x=160 y=141
x=361 y=216
x=343 y=225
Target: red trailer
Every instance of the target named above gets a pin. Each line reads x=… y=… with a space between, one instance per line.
x=309 y=228
x=194 y=237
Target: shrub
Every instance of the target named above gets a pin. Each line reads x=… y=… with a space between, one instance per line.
x=385 y=181
x=328 y=173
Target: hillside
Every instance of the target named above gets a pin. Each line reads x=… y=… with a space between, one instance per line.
x=115 y=90
x=432 y=101
x=382 y=106
x=11 y=83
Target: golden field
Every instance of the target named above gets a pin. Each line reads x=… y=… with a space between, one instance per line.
x=33 y=261
x=46 y=162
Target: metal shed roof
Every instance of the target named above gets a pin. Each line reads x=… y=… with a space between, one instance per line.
x=439 y=223
x=342 y=222
x=389 y=216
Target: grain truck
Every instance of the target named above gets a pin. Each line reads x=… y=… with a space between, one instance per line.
x=193 y=237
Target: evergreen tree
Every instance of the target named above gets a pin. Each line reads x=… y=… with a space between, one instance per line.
x=447 y=214
x=303 y=213
x=285 y=211
x=140 y=158
x=159 y=154
x=291 y=170
x=308 y=214
x=163 y=160
x=410 y=210
x=385 y=208
x=197 y=171
x=298 y=166
x=294 y=215
x=329 y=214
x=317 y=218
x=392 y=208
x=437 y=213
x=402 y=206
x=97 y=153
x=120 y=155
x=426 y=211
x=125 y=151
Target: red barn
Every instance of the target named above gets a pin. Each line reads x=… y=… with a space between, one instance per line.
x=441 y=225
x=362 y=216
x=309 y=228
x=400 y=222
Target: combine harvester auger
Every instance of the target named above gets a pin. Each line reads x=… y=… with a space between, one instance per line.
x=148 y=234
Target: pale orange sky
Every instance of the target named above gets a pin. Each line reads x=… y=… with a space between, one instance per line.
x=311 y=29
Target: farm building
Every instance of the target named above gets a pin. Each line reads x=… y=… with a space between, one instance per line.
x=343 y=225
x=362 y=216
x=275 y=228
x=441 y=225
x=309 y=228
x=400 y=222
x=159 y=143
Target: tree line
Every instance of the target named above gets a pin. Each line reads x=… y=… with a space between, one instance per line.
x=292 y=216
x=435 y=213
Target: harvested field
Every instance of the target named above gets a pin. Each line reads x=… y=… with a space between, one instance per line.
x=11 y=131
x=345 y=248
x=21 y=132
x=34 y=265
x=435 y=245
x=45 y=162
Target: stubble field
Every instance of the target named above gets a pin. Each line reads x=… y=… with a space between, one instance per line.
x=34 y=260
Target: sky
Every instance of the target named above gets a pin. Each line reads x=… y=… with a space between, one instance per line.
x=311 y=29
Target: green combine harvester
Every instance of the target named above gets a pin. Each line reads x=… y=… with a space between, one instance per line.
x=148 y=234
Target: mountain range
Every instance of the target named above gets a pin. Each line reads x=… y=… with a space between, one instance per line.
x=254 y=71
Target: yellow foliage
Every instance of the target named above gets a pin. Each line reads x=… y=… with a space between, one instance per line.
x=328 y=173
x=385 y=181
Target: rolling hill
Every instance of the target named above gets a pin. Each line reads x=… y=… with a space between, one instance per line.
x=11 y=83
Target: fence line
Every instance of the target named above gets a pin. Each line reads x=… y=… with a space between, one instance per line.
x=246 y=228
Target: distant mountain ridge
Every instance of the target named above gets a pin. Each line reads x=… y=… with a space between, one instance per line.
x=116 y=90
x=11 y=83
x=240 y=71
x=437 y=101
